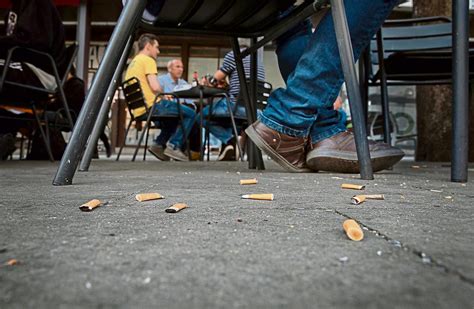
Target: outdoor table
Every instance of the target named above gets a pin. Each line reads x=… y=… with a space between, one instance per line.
x=202 y=92
x=130 y=17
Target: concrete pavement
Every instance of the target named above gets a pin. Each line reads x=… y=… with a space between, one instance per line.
x=225 y=252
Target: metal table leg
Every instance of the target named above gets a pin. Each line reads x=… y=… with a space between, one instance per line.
x=104 y=110
x=251 y=117
x=127 y=22
x=347 y=60
x=460 y=147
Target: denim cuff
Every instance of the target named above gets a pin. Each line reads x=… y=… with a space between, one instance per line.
x=281 y=128
x=333 y=130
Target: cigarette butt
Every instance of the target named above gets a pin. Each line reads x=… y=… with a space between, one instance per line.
x=359 y=199
x=89 y=206
x=353 y=230
x=12 y=262
x=176 y=208
x=148 y=197
x=249 y=181
x=265 y=197
x=352 y=186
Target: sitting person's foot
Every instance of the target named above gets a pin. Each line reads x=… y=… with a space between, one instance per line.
x=7 y=146
x=228 y=151
x=195 y=155
x=175 y=153
x=288 y=151
x=338 y=154
x=108 y=149
x=159 y=152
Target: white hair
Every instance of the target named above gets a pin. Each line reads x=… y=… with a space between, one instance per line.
x=170 y=63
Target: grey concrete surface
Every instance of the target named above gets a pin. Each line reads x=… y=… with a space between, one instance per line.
x=225 y=252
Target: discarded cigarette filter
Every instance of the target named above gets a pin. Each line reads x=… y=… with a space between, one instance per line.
x=89 y=206
x=265 y=197
x=359 y=199
x=148 y=197
x=353 y=230
x=352 y=186
x=12 y=262
x=249 y=181
x=176 y=208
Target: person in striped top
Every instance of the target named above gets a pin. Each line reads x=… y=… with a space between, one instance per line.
x=228 y=70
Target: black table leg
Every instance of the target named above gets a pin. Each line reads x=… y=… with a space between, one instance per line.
x=127 y=22
x=460 y=147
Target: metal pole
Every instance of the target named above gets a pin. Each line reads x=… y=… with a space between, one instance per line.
x=244 y=91
x=83 y=40
x=127 y=22
x=383 y=89
x=460 y=146
x=104 y=110
x=257 y=162
x=347 y=61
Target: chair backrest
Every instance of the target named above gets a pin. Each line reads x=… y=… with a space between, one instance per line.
x=71 y=52
x=417 y=34
x=263 y=93
x=133 y=95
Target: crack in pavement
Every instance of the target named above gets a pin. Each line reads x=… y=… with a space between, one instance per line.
x=425 y=258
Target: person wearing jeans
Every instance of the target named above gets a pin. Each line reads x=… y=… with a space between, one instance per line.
x=219 y=108
x=289 y=49
x=299 y=128
x=143 y=67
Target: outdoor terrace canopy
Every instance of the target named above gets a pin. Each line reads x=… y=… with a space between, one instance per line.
x=6 y=3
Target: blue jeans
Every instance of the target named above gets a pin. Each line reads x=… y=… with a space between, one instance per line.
x=305 y=107
x=290 y=48
x=219 y=108
x=169 y=129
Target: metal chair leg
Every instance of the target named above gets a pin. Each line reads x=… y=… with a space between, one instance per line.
x=146 y=143
x=383 y=90
x=45 y=137
x=147 y=124
x=234 y=127
x=185 y=134
x=126 y=133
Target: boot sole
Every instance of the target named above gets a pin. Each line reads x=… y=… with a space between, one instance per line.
x=174 y=157
x=161 y=157
x=341 y=162
x=255 y=137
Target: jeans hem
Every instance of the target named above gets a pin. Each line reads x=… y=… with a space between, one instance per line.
x=326 y=134
x=281 y=128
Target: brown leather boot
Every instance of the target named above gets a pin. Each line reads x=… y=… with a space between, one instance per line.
x=338 y=154
x=288 y=151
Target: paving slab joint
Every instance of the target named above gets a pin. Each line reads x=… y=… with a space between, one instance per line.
x=426 y=259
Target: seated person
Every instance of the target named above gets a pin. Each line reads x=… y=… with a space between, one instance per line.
x=33 y=24
x=225 y=134
x=143 y=67
x=168 y=82
x=74 y=90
